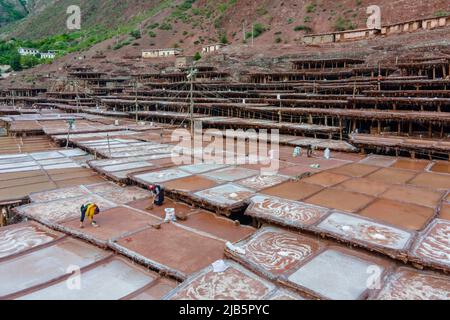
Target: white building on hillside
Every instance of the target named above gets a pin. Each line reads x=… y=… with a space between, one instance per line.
x=213 y=48
x=161 y=53
x=51 y=54
x=48 y=55
x=28 y=51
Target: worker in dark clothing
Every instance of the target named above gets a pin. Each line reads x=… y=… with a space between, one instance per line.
x=310 y=151
x=157 y=195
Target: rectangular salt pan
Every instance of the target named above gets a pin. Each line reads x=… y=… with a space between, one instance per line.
x=335 y=275
x=109 y=281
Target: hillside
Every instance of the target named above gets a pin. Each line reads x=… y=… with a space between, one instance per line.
x=121 y=29
x=12 y=10
x=207 y=20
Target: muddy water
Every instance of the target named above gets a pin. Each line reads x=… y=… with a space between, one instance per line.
x=441 y=167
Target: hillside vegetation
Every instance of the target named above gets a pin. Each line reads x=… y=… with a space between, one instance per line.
x=189 y=24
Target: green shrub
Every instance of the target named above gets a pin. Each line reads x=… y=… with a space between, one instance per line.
x=258 y=29
x=442 y=13
x=310 y=8
x=343 y=24
x=197 y=56
x=165 y=26
x=261 y=10
x=302 y=28
x=135 y=34
x=224 y=39
x=153 y=25
x=15 y=62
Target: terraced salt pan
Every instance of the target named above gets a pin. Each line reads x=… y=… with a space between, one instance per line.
x=117 y=194
x=46 y=155
x=15 y=159
x=21 y=237
x=201 y=167
x=62 y=210
x=380 y=161
x=162 y=176
x=261 y=182
x=355 y=228
x=228 y=194
x=409 y=284
x=73 y=153
x=41 y=266
x=231 y=174
x=433 y=245
x=286 y=212
x=36 y=161
x=285 y=295
x=274 y=251
x=110 y=281
x=335 y=275
x=67 y=165
x=127 y=166
x=235 y=283
x=21 y=169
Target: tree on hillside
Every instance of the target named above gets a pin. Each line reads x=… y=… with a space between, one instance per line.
x=197 y=56
x=15 y=62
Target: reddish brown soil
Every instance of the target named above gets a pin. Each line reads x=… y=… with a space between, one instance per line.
x=175 y=247
x=390 y=175
x=355 y=170
x=441 y=167
x=437 y=181
x=418 y=165
x=445 y=211
x=293 y=190
x=157 y=290
x=419 y=196
x=402 y=215
x=326 y=179
x=113 y=223
x=159 y=211
x=218 y=226
x=363 y=185
x=340 y=200
x=190 y=184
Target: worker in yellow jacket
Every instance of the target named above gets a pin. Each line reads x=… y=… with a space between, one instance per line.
x=89 y=210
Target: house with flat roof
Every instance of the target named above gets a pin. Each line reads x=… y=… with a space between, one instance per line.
x=28 y=51
x=212 y=48
x=161 y=53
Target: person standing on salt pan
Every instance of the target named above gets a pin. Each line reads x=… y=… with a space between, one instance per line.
x=157 y=196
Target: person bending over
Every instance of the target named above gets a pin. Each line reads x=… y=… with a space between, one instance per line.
x=89 y=210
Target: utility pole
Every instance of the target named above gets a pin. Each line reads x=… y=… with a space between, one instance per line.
x=136 y=100
x=191 y=96
x=253 y=34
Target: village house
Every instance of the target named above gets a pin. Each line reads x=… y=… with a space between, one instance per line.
x=161 y=53
x=51 y=54
x=212 y=48
x=28 y=51
x=184 y=61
